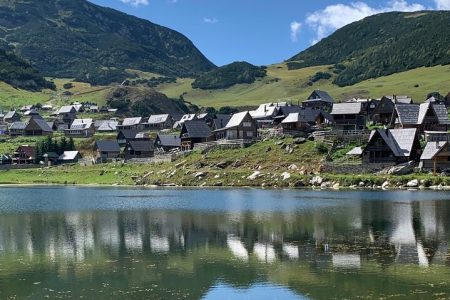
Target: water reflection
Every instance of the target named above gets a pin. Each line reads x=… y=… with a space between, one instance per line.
x=365 y=248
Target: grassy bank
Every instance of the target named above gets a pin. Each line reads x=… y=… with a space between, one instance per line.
x=269 y=162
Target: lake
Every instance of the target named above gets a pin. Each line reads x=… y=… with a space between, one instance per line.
x=106 y=243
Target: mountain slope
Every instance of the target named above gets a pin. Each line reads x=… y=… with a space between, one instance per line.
x=77 y=39
x=20 y=74
x=381 y=45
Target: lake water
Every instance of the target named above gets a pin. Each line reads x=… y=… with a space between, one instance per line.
x=105 y=243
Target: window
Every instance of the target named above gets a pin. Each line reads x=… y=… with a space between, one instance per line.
x=247 y=124
x=249 y=134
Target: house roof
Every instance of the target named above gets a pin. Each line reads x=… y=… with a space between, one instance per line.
x=27 y=149
x=108 y=125
x=265 y=110
x=131 y=121
x=107 y=146
x=157 y=119
x=69 y=155
x=169 y=140
x=400 y=99
x=236 y=119
x=348 y=108
x=196 y=129
x=320 y=95
x=140 y=145
x=67 y=109
x=291 y=118
x=432 y=148
x=221 y=122
x=10 y=114
x=355 y=151
x=128 y=133
x=441 y=113
x=18 y=126
x=400 y=141
x=407 y=113
x=42 y=124
x=187 y=117
x=51 y=155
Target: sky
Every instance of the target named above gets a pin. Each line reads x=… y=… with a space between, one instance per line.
x=261 y=32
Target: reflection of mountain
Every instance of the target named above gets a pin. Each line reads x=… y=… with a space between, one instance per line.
x=188 y=252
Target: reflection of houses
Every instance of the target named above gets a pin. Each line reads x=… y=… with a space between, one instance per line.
x=392 y=146
x=290 y=250
x=346 y=261
x=436 y=156
x=264 y=252
x=237 y=247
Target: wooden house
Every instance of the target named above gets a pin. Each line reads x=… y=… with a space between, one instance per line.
x=294 y=122
x=436 y=156
x=167 y=142
x=17 y=128
x=240 y=127
x=66 y=115
x=69 y=157
x=348 y=116
x=218 y=123
x=426 y=116
x=24 y=155
x=81 y=128
x=392 y=146
x=106 y=125
x=319 y=100
x=139 y=149
x=106 y=150
x=184 y=118
x=37 y=127
x=11 y=117
x=125 y=136
x=159 y=122
x=131 y=124
x=193 y=132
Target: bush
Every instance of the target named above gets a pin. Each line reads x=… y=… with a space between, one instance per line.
x=68 y=85
x=321 y=148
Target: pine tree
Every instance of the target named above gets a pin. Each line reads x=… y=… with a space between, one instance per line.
x=71 y=145
x=62 y=145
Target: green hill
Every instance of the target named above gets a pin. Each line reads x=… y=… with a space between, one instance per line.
x=77 y=39
x=20 y=74
x=229 y=75
x=381 y=45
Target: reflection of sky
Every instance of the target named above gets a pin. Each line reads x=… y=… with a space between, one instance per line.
x=219 y=200
x=259 y=292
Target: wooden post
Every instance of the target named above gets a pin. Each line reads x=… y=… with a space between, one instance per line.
x=434 y=165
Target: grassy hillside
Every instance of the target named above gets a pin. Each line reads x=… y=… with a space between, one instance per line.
x=279 y=84
x=294 y=85
x=381 y=45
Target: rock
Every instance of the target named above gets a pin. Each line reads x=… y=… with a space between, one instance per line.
x=325 y=185
x=413 y=183
x=218 y=183
x=148 y=174
x=299 y=141
x=361 y=184
x=134 y=178
x=385 y=185
x=268 y=149
x=336 y=186
x=279 y=143
x=293 y=167
x=299 y=184
x=116 y=173
x=403 y=169
x=259 y=168
x=236 y=164
x=310 y=137
x=286 y=175
x=203 y=184
x=316 y=181
x=223 y=164
x=200 y=174
x=217 y=177
x=255 y=175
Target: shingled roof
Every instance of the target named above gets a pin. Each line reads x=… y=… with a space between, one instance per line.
x=169 y=140
x=348 y=108
x=158 y=119
x=432 y=148
x=196 y=129
x=141 y=145
x=407 y=113
x=400 y=141
x=107 y=146
x=320 y=95
x=237 y=119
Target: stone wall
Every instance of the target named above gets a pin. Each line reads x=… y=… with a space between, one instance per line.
x=354 y=168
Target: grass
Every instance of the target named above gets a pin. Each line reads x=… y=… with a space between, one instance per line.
x=280 y=84
x=293 y=86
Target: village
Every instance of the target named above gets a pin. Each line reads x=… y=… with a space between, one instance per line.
x=386 y=132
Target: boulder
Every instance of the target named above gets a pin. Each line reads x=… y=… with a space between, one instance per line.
x=413 y=183
x=286 y=175
x=299 y=140
x=293 y=167
x=316 y=181
x=223 y=164
x=385 y=185
x=254 y=176
x=200 y=174
x=403 y=169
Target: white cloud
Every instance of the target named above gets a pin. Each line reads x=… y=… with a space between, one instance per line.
x=333 y=17
x=135 y=2
x=295 y=30
x=210 y=20
x=442 y=4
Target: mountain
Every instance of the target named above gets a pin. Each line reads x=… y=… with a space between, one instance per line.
x=381 y=45
x=229 y=75
x=20 y=74
x=77 y=39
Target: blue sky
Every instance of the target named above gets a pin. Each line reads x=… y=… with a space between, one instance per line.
x=261 y=32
